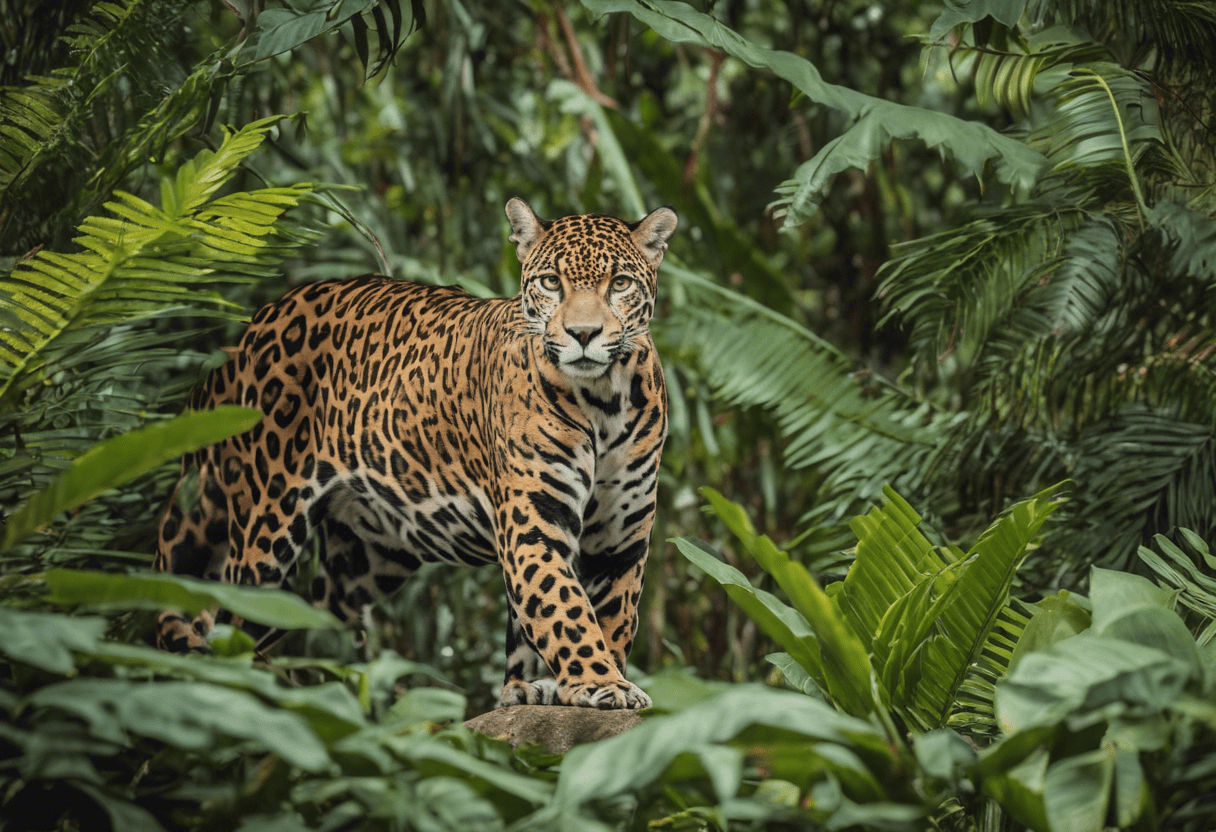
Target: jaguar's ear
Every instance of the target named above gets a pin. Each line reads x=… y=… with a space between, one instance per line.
x=526 y=228
x=652 y=233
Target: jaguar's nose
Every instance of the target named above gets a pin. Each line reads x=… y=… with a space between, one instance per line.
x=583 y=333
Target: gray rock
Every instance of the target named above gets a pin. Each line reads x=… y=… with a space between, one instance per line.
x=555 y=728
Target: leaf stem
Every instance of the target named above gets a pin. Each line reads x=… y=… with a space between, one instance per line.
x=1141 y=206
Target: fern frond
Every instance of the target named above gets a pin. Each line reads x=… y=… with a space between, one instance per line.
x=142 y=259
x=123 y=57
x=1176 y=34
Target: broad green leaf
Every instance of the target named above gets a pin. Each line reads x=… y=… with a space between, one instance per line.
x=378 y=677
x=158 y=590
x=781 y=622
x=1115 y=594
x=1131 y=608
x=1020 y=790
x=48 y=640
x=672 y=689
x=123 y=814
x=1056 y=618
x=795 y=674
x=1076 y=791
x=123 y=458
x=1133 y=797
x=452 y=803
x=1007 y=12
x=426 y=705
x=282 y=30
x=842 y=661
x=433 y=755
x=943 y=754
x=594 y=771
x=1083 y=674
x=189 y=715
x=331 y=709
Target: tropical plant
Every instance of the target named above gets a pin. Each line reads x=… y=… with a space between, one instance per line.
x=1062 y=330
x=915 y=634
x=1091 y=713
x=87 y=349
x=1107 y=716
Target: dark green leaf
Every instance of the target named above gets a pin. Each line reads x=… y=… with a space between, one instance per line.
x=156 y=591
x=125 y=457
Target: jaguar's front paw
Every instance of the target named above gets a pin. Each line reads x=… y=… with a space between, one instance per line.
x=606 y=696
x=520 y=692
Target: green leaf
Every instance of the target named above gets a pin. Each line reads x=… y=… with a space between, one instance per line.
x=156 y=591
x=1007 y=12
x=943 y=754
x=1020 y=790
x=330 y=708
x=426 y=705
x=782 y=623
x=1130 y=608
x=435 y=756
x=1084 y=674
x=933 y=616
x=841 y=662
x=594 y=771
x=189 y=715
x=1076 y=791
x=796 y=676
x=47 y=640
x=123 y=458
x=1055 y=618
x=282 y=30
x=123 y=814
x=139 y=262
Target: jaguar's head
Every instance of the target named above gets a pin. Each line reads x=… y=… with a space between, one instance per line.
x=588 y=283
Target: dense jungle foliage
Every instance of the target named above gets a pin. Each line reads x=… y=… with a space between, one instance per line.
x=954 y=261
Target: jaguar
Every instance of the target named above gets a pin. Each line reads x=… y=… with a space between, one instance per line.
x=405 y=424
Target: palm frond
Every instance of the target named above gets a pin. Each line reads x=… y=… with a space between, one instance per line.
x=1176 y=33
x=874 y=122
x=854 y=429
x=1141 y=473
x=1195 y=582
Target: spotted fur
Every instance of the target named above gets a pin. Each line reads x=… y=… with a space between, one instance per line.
x=407 y=424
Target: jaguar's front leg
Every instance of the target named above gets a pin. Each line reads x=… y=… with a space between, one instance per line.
x=613 y=581
x=554 y=614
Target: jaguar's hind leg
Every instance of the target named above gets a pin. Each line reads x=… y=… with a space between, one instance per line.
x=192 y=540
x=356 y=569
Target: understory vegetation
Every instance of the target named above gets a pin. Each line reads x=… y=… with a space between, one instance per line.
x=938 y=504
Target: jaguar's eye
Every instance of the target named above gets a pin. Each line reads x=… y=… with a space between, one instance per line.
x=620 y=283
x=550 y=281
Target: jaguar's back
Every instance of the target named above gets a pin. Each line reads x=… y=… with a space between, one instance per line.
x=408 y=424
